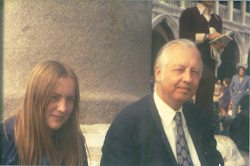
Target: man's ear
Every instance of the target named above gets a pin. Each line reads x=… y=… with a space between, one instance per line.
x=157 y=74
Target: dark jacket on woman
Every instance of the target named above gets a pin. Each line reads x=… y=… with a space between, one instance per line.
x=9 y=154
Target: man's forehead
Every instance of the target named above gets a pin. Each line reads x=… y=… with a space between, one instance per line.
x=177 y=49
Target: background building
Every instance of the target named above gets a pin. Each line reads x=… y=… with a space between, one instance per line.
x=108 y=44
x=235 y=16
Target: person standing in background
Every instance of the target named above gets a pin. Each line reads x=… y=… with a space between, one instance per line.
x=202 y=25
x=239 y=87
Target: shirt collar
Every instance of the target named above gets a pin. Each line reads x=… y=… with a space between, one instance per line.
x=166 y=113
x=202 y=8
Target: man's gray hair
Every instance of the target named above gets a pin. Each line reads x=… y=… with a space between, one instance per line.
x=163 y=59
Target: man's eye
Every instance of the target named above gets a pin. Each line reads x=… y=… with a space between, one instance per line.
x=195 y=72
x=180 y=69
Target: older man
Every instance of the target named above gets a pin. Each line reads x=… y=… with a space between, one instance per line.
x=163 y=128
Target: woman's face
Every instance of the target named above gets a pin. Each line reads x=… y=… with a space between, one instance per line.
x=61 y=104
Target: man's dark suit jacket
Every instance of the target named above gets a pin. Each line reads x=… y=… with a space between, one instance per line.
x=136 y=137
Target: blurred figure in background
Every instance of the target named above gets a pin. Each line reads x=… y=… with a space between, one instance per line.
x=225 y=96
x=238 y=88
x=239 y=130
x=217 y=92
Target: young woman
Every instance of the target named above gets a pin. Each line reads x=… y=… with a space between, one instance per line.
x=45 y=129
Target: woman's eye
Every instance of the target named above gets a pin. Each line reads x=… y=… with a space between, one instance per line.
x=71 y=99
x=54 y=98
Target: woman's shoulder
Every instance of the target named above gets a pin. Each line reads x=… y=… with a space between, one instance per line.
x=9 y=151
x=8 y=127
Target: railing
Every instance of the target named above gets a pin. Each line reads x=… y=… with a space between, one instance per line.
x=247 y=18
x=237 y=15
x=190 y=4
x=173 y=3
x=223 y=12
x=177 y=3
x=223 y=9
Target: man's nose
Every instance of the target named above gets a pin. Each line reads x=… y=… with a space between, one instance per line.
x=62 y=107
x=187 y=76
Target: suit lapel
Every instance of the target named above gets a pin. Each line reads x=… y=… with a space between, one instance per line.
x=193 y=122
x=156 y=116
x=243 y=80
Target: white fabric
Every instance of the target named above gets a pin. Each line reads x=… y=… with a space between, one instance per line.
x=229 y=151
x=169 y=125
x=199 y=38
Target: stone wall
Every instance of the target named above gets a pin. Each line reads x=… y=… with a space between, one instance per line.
x=108 y=44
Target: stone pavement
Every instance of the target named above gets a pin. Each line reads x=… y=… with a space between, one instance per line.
x=95 y=135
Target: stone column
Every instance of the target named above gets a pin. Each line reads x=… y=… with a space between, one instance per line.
x=216 y=7
x=1 y=59
x=108 y=44
x=230 y=10
x=243 y=12
x=182 y=4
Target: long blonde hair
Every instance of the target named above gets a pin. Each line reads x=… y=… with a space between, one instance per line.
x=31 y=132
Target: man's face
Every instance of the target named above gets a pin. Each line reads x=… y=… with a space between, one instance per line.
x=208 y=3
x=182 y=75
x=241 y=72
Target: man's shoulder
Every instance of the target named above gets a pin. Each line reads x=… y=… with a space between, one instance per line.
x=191 y=10
x=235 y=76
x=191 y=106
x=248 y=77
x=137 y=108
x=194 y=111
x=217 y=16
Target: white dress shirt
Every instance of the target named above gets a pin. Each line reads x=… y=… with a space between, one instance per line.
x=169 y=125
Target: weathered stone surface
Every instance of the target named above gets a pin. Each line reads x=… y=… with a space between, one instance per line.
x=229 y=151
x=108 y=44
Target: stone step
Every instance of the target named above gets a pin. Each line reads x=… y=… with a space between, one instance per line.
x=94 y=135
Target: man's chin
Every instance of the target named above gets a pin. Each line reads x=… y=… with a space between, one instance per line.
x=185 y=98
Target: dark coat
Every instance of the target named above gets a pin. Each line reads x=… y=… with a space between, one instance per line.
x=136 y=137
x=9 y=155
x=191 y=22
x=239 y=130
